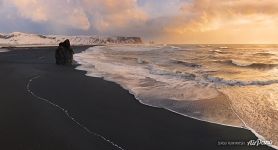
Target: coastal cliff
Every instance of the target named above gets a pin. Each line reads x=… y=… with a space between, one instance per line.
x=18 y=38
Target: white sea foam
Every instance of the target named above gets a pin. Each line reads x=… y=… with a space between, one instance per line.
x=241 y=63
x=175 y=47
x=223 y=47
x=188 y=82
x=135 y=75
x=222 y=81
x=3 y=50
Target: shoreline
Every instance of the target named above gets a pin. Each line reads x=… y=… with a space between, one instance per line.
x=28 y=88
x=101 y=105
x=246 y=127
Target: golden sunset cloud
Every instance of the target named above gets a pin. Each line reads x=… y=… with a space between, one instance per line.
x=225 y=21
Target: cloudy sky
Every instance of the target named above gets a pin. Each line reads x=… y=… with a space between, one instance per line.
x=171 y=21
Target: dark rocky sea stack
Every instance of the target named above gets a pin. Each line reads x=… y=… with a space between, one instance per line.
x=64 y=53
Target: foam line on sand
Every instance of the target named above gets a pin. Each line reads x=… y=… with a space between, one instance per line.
x=66 y=112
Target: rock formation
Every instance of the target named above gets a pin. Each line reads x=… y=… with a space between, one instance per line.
x=64 y=53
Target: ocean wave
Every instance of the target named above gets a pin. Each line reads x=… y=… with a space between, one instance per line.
x=175 y=73
x=223 y=47
x=141 y=61
x=3 y=50
x=253 y=65
x=222 y=81
x=164 y=78
x=219 y=51
x=187 y=64
x=138 y=60
x=264 y=54
x=215 y=50
x=204 y=46
x=135 y=48
x=175 y=47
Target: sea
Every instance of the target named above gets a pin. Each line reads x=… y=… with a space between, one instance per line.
x=232 y=85
x=3 y=50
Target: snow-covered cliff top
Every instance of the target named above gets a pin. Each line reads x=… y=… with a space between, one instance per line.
x=18 y=38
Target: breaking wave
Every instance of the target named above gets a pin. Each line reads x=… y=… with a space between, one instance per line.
x=232 y=89
x=264 y=54
x=255 y=65
x=222 y=81
x=4 y=50
x=184 y=63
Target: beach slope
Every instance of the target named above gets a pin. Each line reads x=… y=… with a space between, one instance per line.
x=44 y=106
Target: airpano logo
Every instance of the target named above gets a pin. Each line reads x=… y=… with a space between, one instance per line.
x=259 y=142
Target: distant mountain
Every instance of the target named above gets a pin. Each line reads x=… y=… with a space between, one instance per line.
x=18 y=38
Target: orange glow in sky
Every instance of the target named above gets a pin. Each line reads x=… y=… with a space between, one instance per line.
x=170 y=21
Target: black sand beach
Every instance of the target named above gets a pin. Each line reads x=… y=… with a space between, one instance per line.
x=106 y=112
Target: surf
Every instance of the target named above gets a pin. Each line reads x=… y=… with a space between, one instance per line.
x=186 y=80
